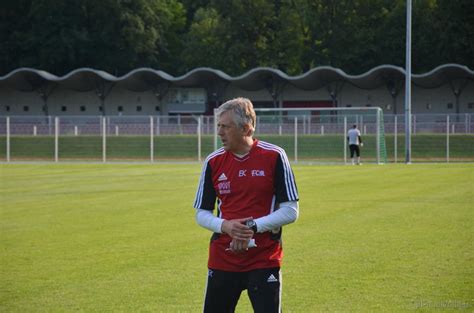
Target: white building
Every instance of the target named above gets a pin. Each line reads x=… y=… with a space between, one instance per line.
x=446 y=89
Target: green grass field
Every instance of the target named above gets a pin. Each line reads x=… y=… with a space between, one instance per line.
x=122 y=238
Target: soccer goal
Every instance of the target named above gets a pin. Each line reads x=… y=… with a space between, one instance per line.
x=319 y=135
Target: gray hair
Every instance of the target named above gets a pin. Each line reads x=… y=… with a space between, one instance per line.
x=243 y=112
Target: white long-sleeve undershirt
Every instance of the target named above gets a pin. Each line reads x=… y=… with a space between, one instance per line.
x=287 y=213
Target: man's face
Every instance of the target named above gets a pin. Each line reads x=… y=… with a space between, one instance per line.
x=232 y=136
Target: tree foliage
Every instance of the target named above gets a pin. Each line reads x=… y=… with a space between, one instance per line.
x=233 y=36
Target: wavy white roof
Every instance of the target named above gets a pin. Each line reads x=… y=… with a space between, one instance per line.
x=141 y=79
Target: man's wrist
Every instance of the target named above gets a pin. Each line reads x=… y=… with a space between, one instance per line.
x=252 y=225
x=223 y=226
x=219 y=226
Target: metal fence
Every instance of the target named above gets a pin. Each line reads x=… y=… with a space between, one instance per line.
x=435 y=137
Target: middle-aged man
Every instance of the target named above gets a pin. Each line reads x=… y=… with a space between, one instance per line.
x=256 y=195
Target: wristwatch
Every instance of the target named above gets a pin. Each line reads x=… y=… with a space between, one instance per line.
x=253 y=226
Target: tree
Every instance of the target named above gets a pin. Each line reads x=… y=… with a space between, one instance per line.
x=454 y=29
x=12 y=23
x=203 y=45
x=112 y=35
x=233 y=36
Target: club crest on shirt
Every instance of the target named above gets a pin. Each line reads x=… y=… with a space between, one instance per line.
x=224 y=187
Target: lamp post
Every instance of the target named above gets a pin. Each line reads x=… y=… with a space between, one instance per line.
x=408 y=87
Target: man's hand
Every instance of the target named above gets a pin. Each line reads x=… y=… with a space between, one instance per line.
x=240 y=233
x=239 y=246
x=237 y=229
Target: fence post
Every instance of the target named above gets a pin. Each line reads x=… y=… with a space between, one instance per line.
x=469 y=117
x=104 y=140
x=8 y=138
x=447 y=138
x=377 y=134
x=395 y=139
x=56 y=137
x=296 y=138
x=199 y=137
x=158 y=125
x=309 y=124
x=215 y=129
x=151 y=140
x=466 y=123
x=344 y=138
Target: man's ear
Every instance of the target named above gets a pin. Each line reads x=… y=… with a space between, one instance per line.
x=246 y=130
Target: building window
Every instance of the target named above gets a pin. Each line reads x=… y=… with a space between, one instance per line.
x=348 y=105
x=7 y=108
x=184 y=95
x=139 y=108
x=101 y=108
x=368 y=105
x=120 y=108
x=63 y=108
x=157 y=108
x=26 y=108
x=450 y=105
x=83 y=108
x=173 y=95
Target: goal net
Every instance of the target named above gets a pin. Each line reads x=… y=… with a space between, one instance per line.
x=319 y=135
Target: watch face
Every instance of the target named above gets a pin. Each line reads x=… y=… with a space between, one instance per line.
x=250 y=223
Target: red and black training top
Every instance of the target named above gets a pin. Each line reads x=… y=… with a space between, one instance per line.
x=251 y=186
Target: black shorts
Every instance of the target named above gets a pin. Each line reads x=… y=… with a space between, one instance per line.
x=354 y=148
x=224 y=288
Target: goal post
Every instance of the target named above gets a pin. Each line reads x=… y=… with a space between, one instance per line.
x=319 y=135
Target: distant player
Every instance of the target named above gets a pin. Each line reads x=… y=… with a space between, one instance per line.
x=355 y=142
x=256 y=195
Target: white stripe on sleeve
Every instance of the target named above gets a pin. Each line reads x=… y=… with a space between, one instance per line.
x=202 y=179
x=288 y=174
